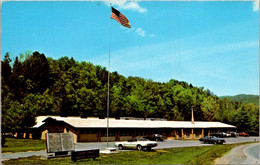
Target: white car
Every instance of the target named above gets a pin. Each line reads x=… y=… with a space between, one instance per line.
x=228 y=134
x=136 y=143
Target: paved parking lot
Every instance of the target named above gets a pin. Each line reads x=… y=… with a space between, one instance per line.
x=166 y=143
x=103 y=146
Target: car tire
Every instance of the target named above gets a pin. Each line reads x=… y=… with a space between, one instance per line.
x=139 y=148
x=120 y=147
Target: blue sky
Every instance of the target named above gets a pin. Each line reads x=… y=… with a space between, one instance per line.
x=214 y=45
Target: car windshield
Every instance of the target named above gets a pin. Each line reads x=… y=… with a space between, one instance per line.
x=156 y=135
x=132 y=140
x=210 y=137
x=142 y=139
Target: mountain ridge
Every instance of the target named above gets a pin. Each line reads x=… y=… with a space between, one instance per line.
x=244 y=98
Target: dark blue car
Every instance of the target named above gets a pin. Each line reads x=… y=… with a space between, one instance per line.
x=212 y=139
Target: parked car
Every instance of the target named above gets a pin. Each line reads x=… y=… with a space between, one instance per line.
x=234 y=134
x=212 y=139
x=219 y=134
x=227 y=134
x=243 y=134
x=136 y=143
x=155 y=137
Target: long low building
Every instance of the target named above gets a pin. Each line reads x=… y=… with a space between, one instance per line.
x=95 y=129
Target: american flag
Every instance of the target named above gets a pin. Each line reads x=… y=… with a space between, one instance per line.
x=119 y=17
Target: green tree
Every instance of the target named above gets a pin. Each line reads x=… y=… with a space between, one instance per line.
x=35 y=85
x=243 y=120
x=37 y=73
x=6 y=68
x=210 y=108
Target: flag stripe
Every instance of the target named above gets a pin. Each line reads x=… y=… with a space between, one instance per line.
x=119 y=17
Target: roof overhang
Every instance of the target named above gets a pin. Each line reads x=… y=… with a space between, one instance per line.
x=78 y=122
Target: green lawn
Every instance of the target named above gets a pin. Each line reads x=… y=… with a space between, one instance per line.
x=187 y=155
x=21 y=145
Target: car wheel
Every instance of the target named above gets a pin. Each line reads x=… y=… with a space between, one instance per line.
x=139 y=147
x=120 y=147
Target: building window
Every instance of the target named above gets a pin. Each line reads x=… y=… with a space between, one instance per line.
x=125 y=133
x=187 y=132
x=88 y=131
x=156 y=131
x=67 y=130
x=82 y=131
x=141 y=133
x=57 y=130
x=197 y=132
x=111 y=133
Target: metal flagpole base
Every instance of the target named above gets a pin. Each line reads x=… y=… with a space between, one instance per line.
x=109 y=150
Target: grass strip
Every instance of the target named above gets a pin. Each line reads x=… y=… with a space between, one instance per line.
x=23 y=145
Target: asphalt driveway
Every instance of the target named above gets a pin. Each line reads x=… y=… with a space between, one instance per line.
x=166 y=143
x=103 y=146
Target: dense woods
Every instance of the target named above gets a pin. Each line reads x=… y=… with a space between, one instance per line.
x=34 y=85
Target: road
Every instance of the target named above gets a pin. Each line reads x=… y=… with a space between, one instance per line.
x=245 y=154
x=252 y=153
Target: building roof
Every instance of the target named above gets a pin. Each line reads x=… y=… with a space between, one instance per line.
x=78 y=122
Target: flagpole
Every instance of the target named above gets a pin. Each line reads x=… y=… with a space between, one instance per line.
x=123 y=21
x=108 y=77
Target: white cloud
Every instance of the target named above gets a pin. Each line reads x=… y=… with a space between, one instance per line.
x=256 y=5
x=134 y=6
x=152 y=35
x=123 y=4
x=141 y=32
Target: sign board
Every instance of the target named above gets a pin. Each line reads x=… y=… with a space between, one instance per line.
x=75 y=155
x=57 y=142
x=67 y=142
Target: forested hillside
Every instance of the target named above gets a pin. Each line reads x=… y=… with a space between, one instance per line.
x=34 y=85
x=244 y=98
